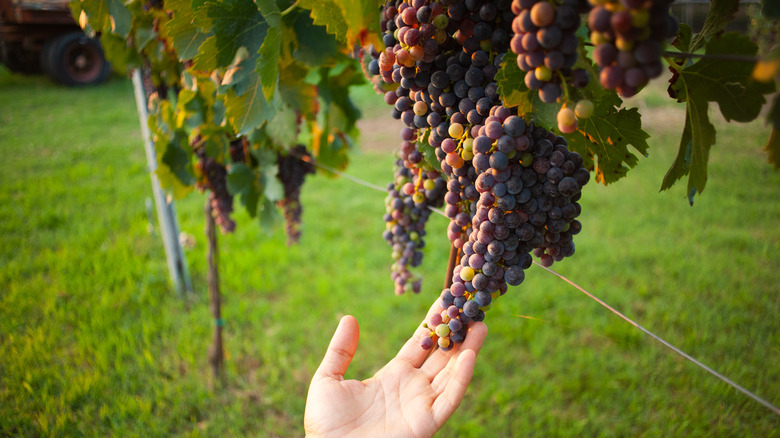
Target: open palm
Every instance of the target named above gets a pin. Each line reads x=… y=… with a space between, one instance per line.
x=412 y=396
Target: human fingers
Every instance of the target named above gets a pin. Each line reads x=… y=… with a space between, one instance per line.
x=341 y=349
x=436 y=362
x=457 y=383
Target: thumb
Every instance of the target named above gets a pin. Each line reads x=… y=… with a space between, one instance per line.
x=341 y=349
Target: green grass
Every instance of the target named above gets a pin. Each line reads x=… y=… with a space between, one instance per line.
x=94 y=342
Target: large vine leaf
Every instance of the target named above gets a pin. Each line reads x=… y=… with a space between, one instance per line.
x=315 y=46
x=720 y=14
x=327 y=13
x=235 y=24
x=245 y=182
x=245 y=106
x=606 y=136
x=181 y=30
x=713 y=79
x=362 y=21
x=104 y=16
x=268 y=61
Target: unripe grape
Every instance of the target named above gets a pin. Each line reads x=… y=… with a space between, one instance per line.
x=456 y=130
x=543 y=73
x=583 y=109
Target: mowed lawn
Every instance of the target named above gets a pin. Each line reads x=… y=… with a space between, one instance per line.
x=94 y=342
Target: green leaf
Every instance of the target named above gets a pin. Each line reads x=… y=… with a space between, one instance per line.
x=274 y=189
x=270 y=12
x=315 y=47
x=268 y=216
x=295 y=91
x=682 y=41
x=606 y=136
x=327 y=13
x=181 y=30
x=236 y=23
x=283 y=128
x=725 y=81
x=268 y=61
x=698 y=136
x=245 y=106
x=720 y=80
x=511 y=83
x=720 y=14
x=429 y=154
x=244 y=181
x=106 y=16
x=362 y=21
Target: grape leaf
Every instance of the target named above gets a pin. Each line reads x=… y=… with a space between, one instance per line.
x=718 y=80
x=682 y=41
x=111 y=16
x=181 y=30
x=362 y=18
x=606 y=136
x=720 y=14
x=511 y=83
x=268 y=216
x=270 y=12
x=728 y=82
x=315 y=45
x=245 y=106
x=235 y=24
x=283 y=128
x=327 y=13
x=296 y=92
x=268 y=61
x=274 y=189
x=243 y=181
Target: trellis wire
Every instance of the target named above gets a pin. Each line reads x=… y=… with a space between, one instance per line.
x=725 y=379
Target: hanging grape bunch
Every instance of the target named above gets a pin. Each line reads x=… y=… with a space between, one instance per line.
x=510 y=187
x=629 y=37
x=545 y=42
x=409 y=196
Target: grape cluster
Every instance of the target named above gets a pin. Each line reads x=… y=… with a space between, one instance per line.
x=407 y=202
x=510 y=186
x=629 y=37
x=293 y=168
x=214 y=179
x=528 y=184
x=546 y=44
x=440 y=61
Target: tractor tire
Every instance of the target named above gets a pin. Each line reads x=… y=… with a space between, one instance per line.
x=74 y=59
x=17 y=59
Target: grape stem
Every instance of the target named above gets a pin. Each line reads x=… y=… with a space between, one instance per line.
x=450 y=266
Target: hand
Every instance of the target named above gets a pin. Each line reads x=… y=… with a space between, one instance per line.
x=412 y=396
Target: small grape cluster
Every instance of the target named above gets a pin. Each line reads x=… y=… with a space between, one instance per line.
x=528 y=184
x=629 y=37
x=293 y=168
x=212 y=176
x=214 y=179
x=546 y=44
x=407 y=202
